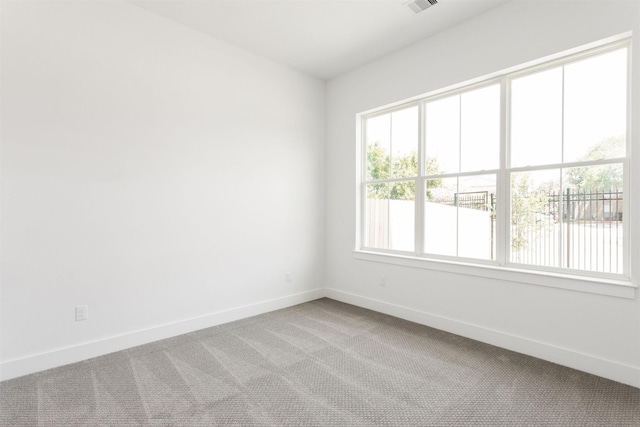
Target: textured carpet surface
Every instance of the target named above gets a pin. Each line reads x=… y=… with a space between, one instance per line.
x=322 y=363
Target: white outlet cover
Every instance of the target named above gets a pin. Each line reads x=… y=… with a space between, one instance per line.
x=82 y=313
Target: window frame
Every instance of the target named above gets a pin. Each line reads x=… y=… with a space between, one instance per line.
x=501 y=267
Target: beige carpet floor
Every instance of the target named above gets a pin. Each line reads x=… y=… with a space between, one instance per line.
x=322 y=363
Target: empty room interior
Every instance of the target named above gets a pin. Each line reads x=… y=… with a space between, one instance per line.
x=306 y=212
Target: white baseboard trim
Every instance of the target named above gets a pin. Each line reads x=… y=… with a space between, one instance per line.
x=39 y=362
x=609 y=369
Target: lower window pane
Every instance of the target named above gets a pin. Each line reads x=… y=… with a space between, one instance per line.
x=578 y=226
x=592 y=199
x=441 y=217
x=377 y=216
x=460 y=216
x=390 y=216
x=476 y=216
x=535 y=211
x=402 y=215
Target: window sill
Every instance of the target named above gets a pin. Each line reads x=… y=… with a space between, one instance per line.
x=594 y=285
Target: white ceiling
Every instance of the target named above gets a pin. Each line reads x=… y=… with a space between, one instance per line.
x=324 y=38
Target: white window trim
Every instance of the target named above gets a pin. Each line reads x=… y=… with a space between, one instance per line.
x=617 y=285
x=588 y=284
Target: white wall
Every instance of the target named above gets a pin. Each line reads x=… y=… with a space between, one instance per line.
x=595 y=333
x=163 y=178
x=168 y=181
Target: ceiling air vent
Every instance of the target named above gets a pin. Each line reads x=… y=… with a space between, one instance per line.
x=418 y=6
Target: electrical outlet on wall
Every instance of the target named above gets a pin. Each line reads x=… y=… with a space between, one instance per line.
x=383 y=282
x=287 y=277
x=82 y=312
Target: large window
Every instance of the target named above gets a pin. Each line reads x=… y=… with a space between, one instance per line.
x=526 y=170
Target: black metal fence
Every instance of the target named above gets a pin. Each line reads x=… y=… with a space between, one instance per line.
x=479 y=200
x=587 y=206
x=575 y=229
x=578 y=229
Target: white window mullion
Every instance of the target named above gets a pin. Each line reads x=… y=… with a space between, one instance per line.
x=361 y=240
x=419 y=185
x=388 y=244
x=626 y=184
x=562 y=249
x=503 y=184
x=457 y=193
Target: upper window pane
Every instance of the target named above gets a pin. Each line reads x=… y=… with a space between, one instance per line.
x=404 y=143
x=536 y=119
x=378 y=137
x=463 y=132
x=443 y=135
x=392 y=144
x=595 y=107
x=480 y=129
